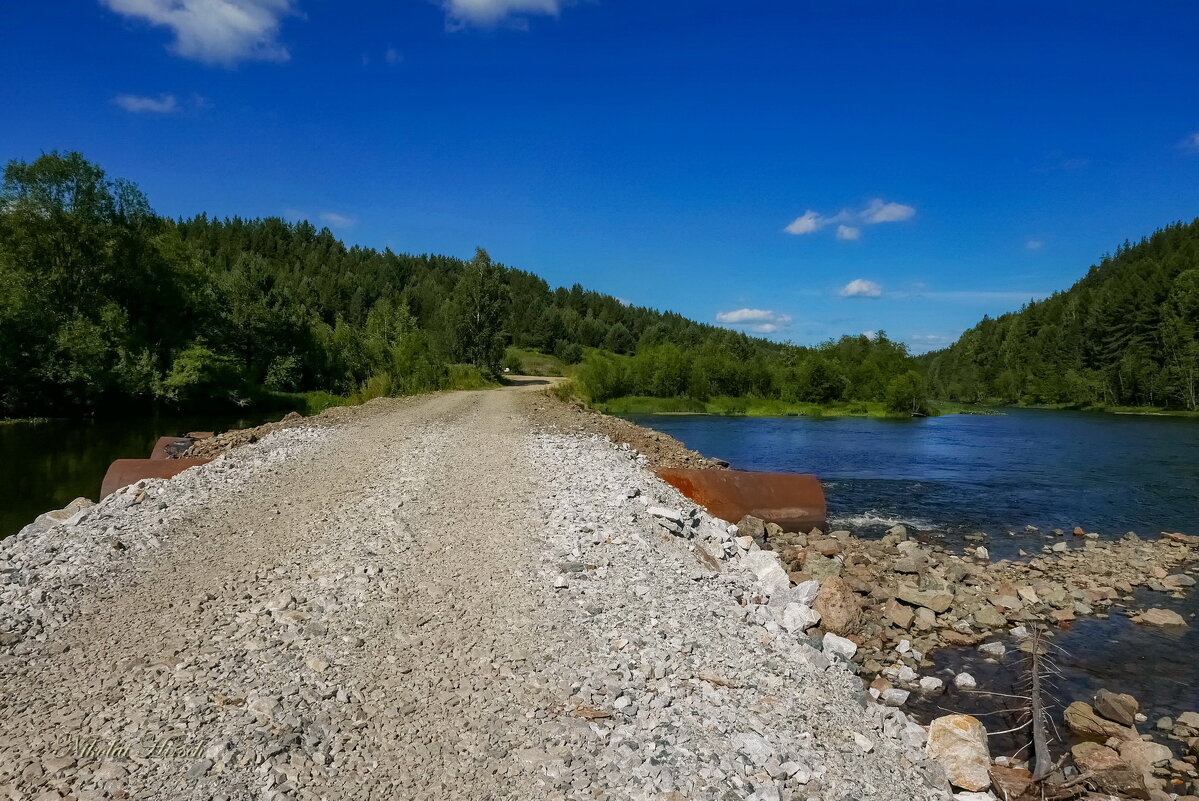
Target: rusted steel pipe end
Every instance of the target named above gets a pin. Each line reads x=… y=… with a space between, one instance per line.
x=170 y=447
x=792 y=500
x=124 y=472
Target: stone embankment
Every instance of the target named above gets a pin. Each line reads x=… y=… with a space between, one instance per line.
x=444 y=597
x=890 y=602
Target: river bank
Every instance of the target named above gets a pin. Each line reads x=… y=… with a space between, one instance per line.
x=345 y=609
x=766 y=407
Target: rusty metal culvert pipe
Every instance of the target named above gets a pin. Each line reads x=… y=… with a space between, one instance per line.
x=171 y=447
x=792 y=500
x=124 y=472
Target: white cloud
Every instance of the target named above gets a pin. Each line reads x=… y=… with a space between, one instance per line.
x=849 y=221
x=1192 y=141
x=335 y=220
x=809 y=223
x=759 y=321
x=216 y=31
x=1034 y=244
x=139 y=104
x=880 y=212
x=393 y=56
x=488 y=13
x=861 y=288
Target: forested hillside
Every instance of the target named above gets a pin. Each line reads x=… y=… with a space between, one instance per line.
x=107 y=307
x=1126 y=334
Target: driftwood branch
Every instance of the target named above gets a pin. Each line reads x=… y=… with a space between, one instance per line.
x=1042 y=763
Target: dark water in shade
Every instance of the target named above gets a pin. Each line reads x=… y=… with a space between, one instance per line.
x=46 y=465
x=996 y=474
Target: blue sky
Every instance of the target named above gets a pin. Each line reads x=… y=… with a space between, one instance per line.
x=792 y=168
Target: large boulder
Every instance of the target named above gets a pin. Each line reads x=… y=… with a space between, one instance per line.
x=766 y=566
x=958 y=743
x=1010 y=782
x=1109 y=772
x=797 y=617
x=832 y=644
x=839 y=608
x=820 y=567
x=1142 y=756
x=932 y=600
x=899 y=614
x=806 y=591
x=1160 y=617
x=1083 y=721
x=1120 y=707
x=750 y=526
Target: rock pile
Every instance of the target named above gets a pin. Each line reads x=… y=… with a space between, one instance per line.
x=898 y=598
x=886 y=604
x=1116 y=759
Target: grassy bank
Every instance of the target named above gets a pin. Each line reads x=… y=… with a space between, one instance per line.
x=525 y=361
x=763 y=407
x=1148 y=411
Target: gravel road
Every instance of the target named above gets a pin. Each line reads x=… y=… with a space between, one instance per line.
x=436 y=597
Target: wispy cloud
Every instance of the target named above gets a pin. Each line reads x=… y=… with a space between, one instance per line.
x=880 y=212
x=1191 y=142
x=849 y=221
x=759 y=321
x=216 y=31
x=335 y=220
x=489 y=13
x=393 y=56
x=332 y=219
x=1034 y=244
x=807 y=223
x=140 y=104
x=861 y=288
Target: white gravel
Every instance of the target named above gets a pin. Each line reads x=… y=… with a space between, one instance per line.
x=431 y=600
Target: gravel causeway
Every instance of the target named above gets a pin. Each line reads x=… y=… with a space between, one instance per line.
x=428 y=598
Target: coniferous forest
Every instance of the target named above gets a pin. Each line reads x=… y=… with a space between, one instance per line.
x=108 y=308
x=1127 y=334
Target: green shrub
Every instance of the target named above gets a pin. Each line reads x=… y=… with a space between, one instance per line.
x=198 y=374
x=467 y=376
x=908 y=394
x=564 y=391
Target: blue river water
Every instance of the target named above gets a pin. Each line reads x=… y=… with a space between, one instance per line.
x=997 y=474
x=961 y=473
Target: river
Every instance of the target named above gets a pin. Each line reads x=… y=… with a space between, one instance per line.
x=45 y=465
x=957 y=474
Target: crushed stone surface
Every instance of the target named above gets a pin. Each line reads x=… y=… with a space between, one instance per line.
x=441 y=597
